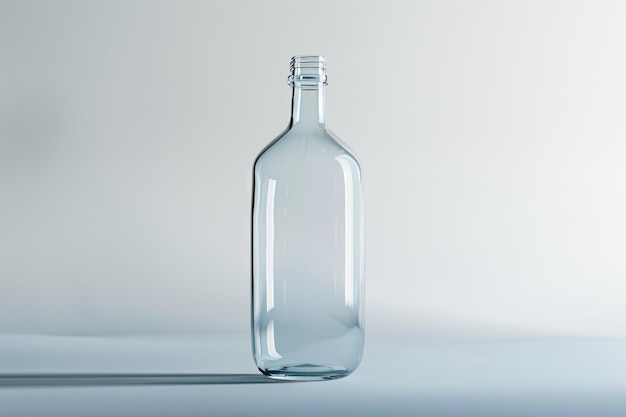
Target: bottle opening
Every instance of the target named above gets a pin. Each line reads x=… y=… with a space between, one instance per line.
x=308 y=71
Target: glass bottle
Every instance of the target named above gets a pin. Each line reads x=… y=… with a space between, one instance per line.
x=307 y=243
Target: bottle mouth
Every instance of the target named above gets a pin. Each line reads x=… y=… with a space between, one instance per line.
x=308 y=71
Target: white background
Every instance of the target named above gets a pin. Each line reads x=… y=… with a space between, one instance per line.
x=492 y=137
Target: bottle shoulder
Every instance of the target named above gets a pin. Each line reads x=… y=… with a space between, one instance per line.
x=306 y=144
x=347 y=150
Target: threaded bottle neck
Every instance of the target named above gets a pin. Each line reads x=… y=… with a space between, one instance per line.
x=308 y=72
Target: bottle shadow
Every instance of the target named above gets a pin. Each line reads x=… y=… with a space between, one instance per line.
x=111 y=379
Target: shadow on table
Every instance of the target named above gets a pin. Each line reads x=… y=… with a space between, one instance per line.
x=106 y=379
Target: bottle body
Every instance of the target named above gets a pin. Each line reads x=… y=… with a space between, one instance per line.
x=307 y=231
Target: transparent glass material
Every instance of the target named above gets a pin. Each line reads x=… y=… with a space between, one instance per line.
x=307 y=243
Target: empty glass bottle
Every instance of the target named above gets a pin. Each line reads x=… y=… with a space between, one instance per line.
x=307 y=243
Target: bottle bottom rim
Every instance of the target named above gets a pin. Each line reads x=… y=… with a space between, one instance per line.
x=306 y=372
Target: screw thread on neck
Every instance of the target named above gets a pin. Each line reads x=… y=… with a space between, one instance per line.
x=308 y=71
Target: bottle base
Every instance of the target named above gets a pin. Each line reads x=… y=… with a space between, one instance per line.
x=306 y=372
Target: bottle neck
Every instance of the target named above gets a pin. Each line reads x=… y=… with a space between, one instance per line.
x=308 y=79
x=307 y=106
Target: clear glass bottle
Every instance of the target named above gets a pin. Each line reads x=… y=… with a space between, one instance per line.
x=307 y=243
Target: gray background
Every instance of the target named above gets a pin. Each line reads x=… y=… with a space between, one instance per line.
x=493 y=140
x=492 y=136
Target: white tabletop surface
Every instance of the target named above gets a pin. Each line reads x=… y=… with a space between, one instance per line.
x=399 y=376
